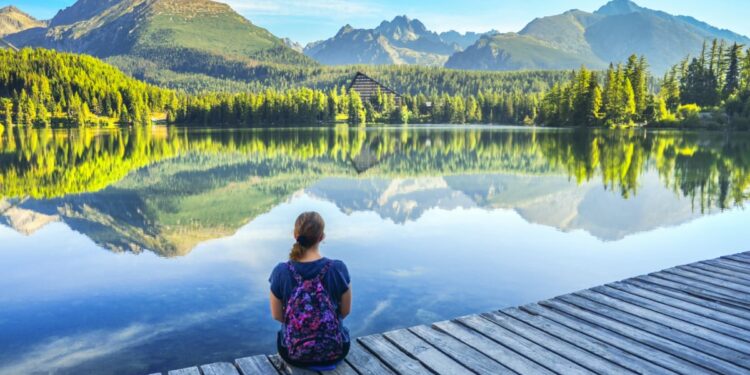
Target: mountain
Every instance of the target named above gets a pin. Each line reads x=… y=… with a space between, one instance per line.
x=516 y=52
x=293 y=45
x=187 y=36
x=549 y=200
x=610 y=34
x=463 y=40
x=13 y=20
x=400 y=41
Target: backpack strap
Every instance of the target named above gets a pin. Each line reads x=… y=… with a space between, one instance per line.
x=325 y=269
x=297 y=276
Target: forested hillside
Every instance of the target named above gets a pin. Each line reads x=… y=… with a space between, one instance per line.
x=192 y=37
x=712 y=88
x=46 y=88
x=42 y=88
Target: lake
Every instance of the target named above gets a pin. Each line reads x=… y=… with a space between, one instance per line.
x=143 y=250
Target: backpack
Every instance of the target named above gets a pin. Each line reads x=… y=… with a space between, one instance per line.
x=312 y=327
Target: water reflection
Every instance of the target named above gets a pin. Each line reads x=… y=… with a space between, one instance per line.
x=136 y=251
x=167 y=190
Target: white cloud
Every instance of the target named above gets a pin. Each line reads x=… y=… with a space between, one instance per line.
x=328 y=8
x=380 y=307
x=404 y=273
x=65 y=352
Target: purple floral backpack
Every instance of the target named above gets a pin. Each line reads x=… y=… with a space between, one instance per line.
x=313 y=332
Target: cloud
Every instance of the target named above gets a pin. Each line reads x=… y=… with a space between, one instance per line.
x=404 y=273
x=66 y=352
x=327 y=8
x=380 y=307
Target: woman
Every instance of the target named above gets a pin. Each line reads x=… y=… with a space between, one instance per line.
x=311 y=296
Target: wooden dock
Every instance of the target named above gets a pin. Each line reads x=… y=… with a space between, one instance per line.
x=692 y=319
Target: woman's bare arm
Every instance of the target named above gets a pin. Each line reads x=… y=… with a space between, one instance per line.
x=277 y=310
x=346 y=303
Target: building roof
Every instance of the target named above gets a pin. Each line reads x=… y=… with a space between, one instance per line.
x=368 y=87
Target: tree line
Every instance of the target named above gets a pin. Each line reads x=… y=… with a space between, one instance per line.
x=710 y=169
x=717 y=80
x=41 y=87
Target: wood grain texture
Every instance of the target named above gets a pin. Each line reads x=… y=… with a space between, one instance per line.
x=256 y=365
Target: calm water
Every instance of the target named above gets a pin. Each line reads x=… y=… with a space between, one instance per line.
x=130 y=252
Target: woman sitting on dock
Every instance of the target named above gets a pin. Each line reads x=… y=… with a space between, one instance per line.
x=310 y=296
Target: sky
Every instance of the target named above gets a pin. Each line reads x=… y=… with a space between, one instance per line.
x=310 y=20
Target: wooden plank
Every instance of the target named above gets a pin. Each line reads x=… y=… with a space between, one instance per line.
x=625 y=342
x=365 y=362
x=699 y=338
x=745 y=255
x=531 y=350
x=219 y=368
x=256 y=365
x=723 y=270
x=460 y=352
x=735 y=263
x=737 y=259
x=730 y=263
x=660 y=337
x=726 y=264
x=492 y=349
x=430 y=357
x=606 y=350
x=696 y=308
x=392 y=356
x=716 y=275
x=185 y=371
x=562 y=348
x=735 y=288
x=695 y=288
x=342 y=368
x=712 y=303
x=697 y=325
x=287 y=369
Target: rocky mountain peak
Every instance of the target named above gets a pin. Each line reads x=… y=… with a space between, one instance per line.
x=619 y=7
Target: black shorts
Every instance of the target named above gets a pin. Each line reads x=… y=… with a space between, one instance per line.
x=284 y=353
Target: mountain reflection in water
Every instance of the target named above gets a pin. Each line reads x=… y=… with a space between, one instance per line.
x=166 y=190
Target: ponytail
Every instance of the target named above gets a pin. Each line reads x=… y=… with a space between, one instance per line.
x=308 y=231
x=297 y=252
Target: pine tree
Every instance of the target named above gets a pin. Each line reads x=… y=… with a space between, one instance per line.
x=745 y=74
x=732 y=81
x=670 y=89
x=8 y=113
x=595 y=105
x=630 y=106
x=357 y=114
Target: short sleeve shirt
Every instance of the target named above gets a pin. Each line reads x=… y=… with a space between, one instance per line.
x=336 y=281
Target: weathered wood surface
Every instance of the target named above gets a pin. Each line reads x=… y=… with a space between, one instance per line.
x=186 y=371
x=219 y=368
x=687 y=319
x=256 y=365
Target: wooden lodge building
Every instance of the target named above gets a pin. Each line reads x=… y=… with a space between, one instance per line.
x=367 y=88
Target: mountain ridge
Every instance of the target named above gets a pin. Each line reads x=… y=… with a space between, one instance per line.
x=609 y=34
x=14 y=20
x=201 y=37
x=400 y=41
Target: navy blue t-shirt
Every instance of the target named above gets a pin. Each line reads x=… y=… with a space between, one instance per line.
x=336 y=281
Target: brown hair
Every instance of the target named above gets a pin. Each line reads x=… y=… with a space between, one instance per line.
x=308 y=231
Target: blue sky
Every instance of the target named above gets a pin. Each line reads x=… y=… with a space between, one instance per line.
x=310 y=20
